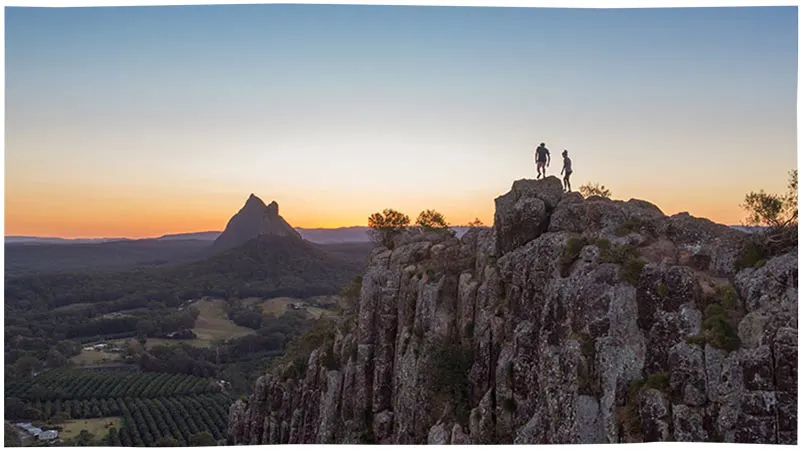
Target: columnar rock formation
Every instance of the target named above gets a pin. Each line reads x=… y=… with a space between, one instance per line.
x=581 y=321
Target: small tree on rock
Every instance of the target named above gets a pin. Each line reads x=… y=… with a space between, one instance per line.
x=431 y=220
x=773 y=210
x=595 y=189
x=385 y=226
x=475 y=223
x=778 y=215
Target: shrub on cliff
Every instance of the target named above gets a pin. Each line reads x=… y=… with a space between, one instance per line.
x=294 y=362
x=777 y=213
x=773 y=210
x=571 y=253
x=349 y=296
x=721 y=317
x=631 y=270
x=595 y=189
x=631 y=225
x=386 y=225
x=475 y=223
x=447 y=372
x=431 y=220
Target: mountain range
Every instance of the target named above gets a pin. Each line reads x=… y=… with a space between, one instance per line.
x=256 y=220
x=341 y=235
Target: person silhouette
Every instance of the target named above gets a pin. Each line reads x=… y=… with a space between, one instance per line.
x=566 y=171
x=542 y=160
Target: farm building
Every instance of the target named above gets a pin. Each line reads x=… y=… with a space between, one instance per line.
x=38 y=433
x=30 y=429
x=48 y=435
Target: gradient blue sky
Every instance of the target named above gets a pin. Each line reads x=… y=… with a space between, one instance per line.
x=139 y=121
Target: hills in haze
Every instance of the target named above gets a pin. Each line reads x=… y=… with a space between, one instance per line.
x=29 y=254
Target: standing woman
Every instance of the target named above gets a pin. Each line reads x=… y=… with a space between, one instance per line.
x=566 y=171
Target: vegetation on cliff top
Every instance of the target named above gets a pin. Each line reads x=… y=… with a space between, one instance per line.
x=777 y=214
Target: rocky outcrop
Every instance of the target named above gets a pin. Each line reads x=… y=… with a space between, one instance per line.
x=253 y=220
x=570 y=321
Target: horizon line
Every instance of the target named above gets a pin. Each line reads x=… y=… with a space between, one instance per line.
x=134 y=238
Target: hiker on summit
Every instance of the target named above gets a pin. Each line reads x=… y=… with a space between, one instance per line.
x=542 y=160
x=566 y=171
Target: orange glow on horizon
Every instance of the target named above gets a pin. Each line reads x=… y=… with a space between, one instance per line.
x=136 y=220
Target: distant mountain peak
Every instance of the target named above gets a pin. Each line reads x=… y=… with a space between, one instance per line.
x=253 y=202
x=254 y=219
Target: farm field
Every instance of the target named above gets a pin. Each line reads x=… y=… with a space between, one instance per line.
x=98 y=426
x=279 y=305
x=93 y=358
x=213 y=323
x=128 y=408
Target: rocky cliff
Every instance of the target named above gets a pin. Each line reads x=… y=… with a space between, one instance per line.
x=570 y=321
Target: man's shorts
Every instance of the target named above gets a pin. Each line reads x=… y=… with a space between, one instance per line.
x=541 y=164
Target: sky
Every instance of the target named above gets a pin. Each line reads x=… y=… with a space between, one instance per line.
x=142 y=121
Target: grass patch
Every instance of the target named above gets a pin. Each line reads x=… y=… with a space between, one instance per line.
x=631 y=225
x=726 y=296
x=213 y=322
x=626 y=255
x=720 y=317
x=751 y=255
x=628 y=416
x=616 y=254
x=92 y=358
x=571 y=253
x=720 y=334
x=661 y=290
x=697 y=340
x=631 y=270
x=98 y=427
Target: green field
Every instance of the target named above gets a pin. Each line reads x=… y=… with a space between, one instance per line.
x=214 y=324
x=93 y=358
x=279 y=305
x=127 y=408
x=98 y=427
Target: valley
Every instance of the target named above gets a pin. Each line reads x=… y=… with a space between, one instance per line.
x=103 y=348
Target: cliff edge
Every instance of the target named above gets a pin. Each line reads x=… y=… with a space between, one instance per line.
x=572 y=320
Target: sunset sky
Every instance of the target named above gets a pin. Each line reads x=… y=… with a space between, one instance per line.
x=142 y=121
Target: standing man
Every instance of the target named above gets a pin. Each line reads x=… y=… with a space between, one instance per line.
x=566 y=171
x=542 y=160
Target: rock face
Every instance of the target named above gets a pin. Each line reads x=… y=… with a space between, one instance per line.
x=253 y=220
x=570 y=321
